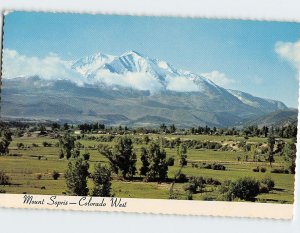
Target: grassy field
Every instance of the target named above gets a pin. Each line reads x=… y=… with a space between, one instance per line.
x=25 y=168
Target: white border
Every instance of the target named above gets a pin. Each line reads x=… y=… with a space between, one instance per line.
x=287 y=10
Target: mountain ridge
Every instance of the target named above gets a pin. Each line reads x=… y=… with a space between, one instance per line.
x=140 y=89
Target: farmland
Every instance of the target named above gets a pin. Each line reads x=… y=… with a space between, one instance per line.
x=30 y=167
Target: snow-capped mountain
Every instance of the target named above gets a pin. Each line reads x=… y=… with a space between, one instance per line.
x=130 y=89
x=137 y=71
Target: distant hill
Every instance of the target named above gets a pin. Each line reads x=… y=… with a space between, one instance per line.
x=277 y=118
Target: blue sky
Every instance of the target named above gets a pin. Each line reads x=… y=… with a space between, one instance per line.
x=242 y=53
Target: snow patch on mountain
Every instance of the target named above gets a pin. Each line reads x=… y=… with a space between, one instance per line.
x=257 y=102
x=87 y=65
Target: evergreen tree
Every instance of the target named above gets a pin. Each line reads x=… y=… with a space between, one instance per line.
x=76 y=177
x=102 y=181
x=67 y=144
x=6 y=138
x=182 y=154
x=290 y=155
x=271 y=144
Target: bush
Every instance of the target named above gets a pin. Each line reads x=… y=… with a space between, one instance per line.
x=4 y=179
x=35 y=145
x=20 y=145
x=244 y=188
x=205 y=165
x=47 y=144
x=196 y=184
x=170 y=161
x=86 y=156
x=55 y=175
x=217 y=166
x=263 y=188
x=280 y=170
x=256 y=169
x=212 y=181
x=2 y=191
x=181 y=178
x=268 y=182
x=39 y=176
x=263 y=169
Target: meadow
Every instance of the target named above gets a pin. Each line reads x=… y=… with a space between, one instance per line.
x=30 y=169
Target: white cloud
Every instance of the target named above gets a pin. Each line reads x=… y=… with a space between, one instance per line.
x=50 y=67
x=219 y=78
x=140 y=81
x=290 y=52
x=181 y=84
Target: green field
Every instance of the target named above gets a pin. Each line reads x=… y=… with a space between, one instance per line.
x=23 y=166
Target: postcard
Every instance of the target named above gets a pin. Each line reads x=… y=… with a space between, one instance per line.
x=149 y=114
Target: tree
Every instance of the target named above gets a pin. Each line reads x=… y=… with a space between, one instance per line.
x=102 y=181
x=86 y=155
x=271 y=144
x=265 y=131
x=172 y=128
x=67 y=143
x=55 y=175
x=182 y=154
x=76 y=177
x=155 y=166
x=145 y=163
x=146 y=139
x=55 y=125
x=66 y=126
x=163 y=128
x=4 y=179
x=254 y=153
x=290 y=155
x=5 y=141
x=121 y=156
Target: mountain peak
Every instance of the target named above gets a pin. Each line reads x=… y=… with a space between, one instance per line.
x=132 y=53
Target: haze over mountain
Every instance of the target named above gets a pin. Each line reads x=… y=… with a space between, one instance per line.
x=130 y=89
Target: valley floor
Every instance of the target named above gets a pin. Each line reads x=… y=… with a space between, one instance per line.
x=32 y=174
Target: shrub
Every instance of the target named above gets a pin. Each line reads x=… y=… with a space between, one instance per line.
x=263 y=169
x=20 y=145
x=4 y=179
x=39 y=176
x=244 y=188
x=196 y=184
x=2 y=191
x=212 y=181
x=207 y=166
x=61 y=154
x=55 y=175
x=35 y=145
x=86 y=156
x=268 y=182
x=280 y=170
x=263 y=188
x=256 y=169
x=217 y=166
x=170 y=161
x=47 y=144
x=181 y=178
